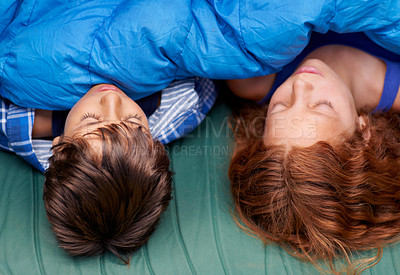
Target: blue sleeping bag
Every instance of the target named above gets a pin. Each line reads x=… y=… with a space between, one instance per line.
x=53 y=51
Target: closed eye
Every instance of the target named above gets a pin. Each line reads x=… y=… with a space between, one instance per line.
x=277 y=106
x=324 y=102
x=97 y=117
x=132 y=116
x=90 y=115
x=279 y=103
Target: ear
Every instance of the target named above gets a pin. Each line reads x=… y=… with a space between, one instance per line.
x=56 y=140
x=363 y=125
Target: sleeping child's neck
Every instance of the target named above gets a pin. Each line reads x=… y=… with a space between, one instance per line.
x=42 y=125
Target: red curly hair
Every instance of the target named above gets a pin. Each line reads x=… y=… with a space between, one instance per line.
x=321 y=202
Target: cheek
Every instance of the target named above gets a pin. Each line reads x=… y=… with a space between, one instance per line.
x=348 y=117
x=350 y=123
x=281 y=91
x=348 y=108
x=69 y=122
x=282 y=94
x=73 y=113
x=74 y=117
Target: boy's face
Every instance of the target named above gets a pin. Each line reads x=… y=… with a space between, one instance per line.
x=103 y=104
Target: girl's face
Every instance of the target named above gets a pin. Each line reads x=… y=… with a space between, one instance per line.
x=313 y=104
x=103 y=104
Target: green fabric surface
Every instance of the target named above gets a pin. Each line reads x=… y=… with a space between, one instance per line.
x=197 y=233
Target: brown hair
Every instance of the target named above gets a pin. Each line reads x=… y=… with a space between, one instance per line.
x=321 y=202
x=108 y=201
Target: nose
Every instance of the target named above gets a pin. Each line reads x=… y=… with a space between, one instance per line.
x=111 y=104
x=300 y=89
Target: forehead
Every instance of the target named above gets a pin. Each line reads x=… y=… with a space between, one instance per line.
x=302 y=130
x=91 y=126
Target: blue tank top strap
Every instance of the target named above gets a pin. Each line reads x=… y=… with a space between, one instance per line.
x=390 y=87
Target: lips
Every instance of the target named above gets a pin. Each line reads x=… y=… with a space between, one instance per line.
x=308 y=70
x=106 y=87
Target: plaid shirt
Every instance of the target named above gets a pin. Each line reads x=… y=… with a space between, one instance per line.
x=184 y=104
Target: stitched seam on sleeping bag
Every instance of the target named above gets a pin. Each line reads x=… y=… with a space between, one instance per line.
x=147 y=260
x=36 y=222
x=240 y=27
x=12 y=17
x=13 y=43
x=184 y=42
x=102 y=264
x=91 y=48
x=213 y=207
x=177 y=226
x=94 y=40
x=333 y=15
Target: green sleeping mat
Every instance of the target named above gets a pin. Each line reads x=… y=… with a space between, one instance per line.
x=197 y=234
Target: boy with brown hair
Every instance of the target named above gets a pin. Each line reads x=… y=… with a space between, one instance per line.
x=109 y=180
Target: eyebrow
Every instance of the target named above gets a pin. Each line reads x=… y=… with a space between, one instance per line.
x=88 y=124
x=312 y=111
x=99 y=122
x=324 y=114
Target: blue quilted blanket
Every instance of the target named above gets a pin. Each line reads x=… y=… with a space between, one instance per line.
x=53 y=51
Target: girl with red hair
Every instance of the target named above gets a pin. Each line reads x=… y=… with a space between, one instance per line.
x=316 y=170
